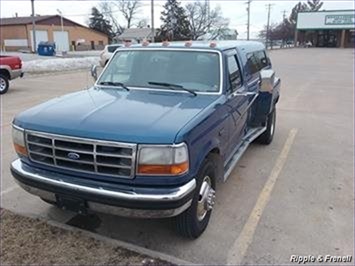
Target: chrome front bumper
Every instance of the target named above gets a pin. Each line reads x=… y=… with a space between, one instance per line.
x=47 y=184
x=16 y=73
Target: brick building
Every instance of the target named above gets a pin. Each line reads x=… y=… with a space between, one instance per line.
x=16 y=33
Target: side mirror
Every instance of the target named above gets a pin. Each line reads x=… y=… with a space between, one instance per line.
x=267 y=78
x=94 y=72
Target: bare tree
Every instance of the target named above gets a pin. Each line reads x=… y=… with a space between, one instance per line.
x=129 y=9
x=203 y=21
x=108 y=10
x=143 y=23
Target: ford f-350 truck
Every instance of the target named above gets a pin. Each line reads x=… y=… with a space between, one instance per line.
x=162 y=124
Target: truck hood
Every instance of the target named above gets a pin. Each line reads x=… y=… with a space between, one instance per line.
x=137 y=116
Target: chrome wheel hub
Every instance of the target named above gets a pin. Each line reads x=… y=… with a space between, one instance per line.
x=206 y=198
x=2 y=84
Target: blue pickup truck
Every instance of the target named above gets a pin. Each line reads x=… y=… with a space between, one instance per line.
x=162 y=124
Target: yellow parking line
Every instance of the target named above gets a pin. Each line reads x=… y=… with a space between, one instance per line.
x=10 y=189
x=241 y=245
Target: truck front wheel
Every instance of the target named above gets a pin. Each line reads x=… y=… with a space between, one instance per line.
x=193 y=222
x=267 y=137
x=4 y=84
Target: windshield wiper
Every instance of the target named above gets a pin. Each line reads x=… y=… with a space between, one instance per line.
x=116 y=84
x=172 y=86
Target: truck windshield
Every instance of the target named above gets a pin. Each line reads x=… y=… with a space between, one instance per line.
x=193 y=70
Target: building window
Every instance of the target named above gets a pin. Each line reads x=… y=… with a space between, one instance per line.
x=101 y=42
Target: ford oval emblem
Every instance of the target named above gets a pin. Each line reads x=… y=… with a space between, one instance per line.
x=73 y=156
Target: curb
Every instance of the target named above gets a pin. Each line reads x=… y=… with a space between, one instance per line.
x=120 y=243
x=54 y=73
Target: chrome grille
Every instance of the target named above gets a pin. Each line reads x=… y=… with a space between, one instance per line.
x=83 y=155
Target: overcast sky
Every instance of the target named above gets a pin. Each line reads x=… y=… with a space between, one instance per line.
x=234 y=10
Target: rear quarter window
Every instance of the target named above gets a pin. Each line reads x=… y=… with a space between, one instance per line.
x=252 y=63
x=256 y=61
x=113 y=48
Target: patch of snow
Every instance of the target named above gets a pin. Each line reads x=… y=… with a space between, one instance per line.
x=59 y=64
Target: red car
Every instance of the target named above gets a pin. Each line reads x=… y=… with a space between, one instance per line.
x=10 y=68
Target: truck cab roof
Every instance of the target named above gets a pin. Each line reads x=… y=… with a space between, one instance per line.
x=245 y=46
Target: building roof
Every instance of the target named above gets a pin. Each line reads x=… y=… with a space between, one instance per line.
x=21 y=20
x=135 y=33
x=43 y=20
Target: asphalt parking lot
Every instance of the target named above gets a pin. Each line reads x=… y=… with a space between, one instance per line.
x=293 y=197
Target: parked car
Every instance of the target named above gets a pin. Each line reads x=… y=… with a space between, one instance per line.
x=107 y=52
x=10 y=68
x=160 y=126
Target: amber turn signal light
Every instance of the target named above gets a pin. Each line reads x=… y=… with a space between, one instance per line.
x=175 y=169
x=20 y=149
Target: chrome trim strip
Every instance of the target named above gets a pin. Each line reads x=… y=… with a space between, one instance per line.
x=236 y=155
x=82 y=140
x=207 y=50
x=55 y=180
x=17 y=127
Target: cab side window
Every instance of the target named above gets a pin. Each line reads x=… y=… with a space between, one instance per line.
x=234 y=73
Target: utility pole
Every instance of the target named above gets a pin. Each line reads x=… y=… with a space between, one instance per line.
x=208 y=11
x=284 y=15
x=33 y=27
x=152 y=19
x=268 y=24
x=248 y=23
x=61 y=19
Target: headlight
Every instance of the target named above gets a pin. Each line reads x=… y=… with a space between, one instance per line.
x=163 y=159
x=18 y=137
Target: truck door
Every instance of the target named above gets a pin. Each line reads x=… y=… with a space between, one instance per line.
x=236 y=101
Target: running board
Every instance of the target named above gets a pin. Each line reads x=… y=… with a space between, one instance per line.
x=251 y=135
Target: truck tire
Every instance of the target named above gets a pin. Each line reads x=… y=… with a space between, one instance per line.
x=267 y=137
x=4 y=84
x=193 y=222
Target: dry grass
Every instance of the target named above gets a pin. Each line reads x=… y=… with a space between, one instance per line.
x=32 y=241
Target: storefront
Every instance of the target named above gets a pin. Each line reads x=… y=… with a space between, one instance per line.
x=335 y=28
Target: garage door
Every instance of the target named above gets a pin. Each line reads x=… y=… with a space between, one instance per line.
x=41 y=36
x=61 y=39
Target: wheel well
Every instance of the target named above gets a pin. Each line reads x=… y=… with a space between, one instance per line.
x=215 y=156
x=215 y=151
x=5 y=73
